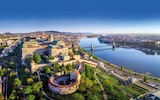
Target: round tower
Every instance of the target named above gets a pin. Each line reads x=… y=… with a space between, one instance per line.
x=51 y=38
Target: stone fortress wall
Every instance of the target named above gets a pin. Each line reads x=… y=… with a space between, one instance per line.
x=65 y=89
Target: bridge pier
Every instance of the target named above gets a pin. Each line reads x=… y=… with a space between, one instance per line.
x=92 y=48
x=113 y=45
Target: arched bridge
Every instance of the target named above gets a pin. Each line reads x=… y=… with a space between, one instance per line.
x=100 y=47
x=106 y=47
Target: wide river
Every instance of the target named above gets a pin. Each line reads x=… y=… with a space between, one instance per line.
x=130 y=58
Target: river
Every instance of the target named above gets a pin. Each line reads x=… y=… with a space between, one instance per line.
x=131 y=58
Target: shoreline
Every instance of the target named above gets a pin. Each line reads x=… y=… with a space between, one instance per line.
x=151 y=51
x=117 y=67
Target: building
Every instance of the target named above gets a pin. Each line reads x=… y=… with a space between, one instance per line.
x=100 y=64
x=132 y=79
x=58 y=49
x=28 y=49
x=153 y=95
x=65 y=84
x=55 y=48
x=51 y=38
x=150 y=44
x=65 y=58
x=35 y=67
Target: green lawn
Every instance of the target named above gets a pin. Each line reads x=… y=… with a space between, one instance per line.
x=115 y=90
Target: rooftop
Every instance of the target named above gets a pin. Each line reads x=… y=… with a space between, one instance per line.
x=155 y=94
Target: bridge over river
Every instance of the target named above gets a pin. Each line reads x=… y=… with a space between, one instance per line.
x=105 y=47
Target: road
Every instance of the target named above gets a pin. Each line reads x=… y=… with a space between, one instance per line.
x=122 y=76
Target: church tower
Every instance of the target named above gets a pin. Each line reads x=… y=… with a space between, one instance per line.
x=51 y=38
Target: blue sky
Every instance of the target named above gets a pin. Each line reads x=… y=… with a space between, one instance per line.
x=99 y=16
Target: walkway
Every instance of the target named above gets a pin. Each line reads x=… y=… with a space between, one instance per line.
x=102 y=88
x=17 y=70
x=43 y=92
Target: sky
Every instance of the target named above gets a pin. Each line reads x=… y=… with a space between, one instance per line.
x=98 y=16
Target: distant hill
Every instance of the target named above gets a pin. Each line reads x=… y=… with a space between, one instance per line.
x=7 y=33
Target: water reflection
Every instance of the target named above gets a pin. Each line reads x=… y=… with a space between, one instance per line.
x=134 y=59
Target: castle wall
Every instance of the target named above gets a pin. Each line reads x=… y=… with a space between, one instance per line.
x=56 y=52
x=65 y=89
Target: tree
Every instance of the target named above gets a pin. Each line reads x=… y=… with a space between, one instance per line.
x=129 y=71
x=82 y=87
x=2 y=71
x=122 y=68
x=87 y=71
x=5 y=63
x=12 y=65
x=75 y=52
x=93 y=97
x=42 y=98
x=27 y=89
x=47 y=69
x=109 y=84
x=77 y=96
x=31 y=97
x=29 y=80
x=17 y=83
x=145 y=78
x=69 y=67
x=51 y=57
x=12 y=96
x=65 y=70
x=45 y=58
x=56 y=66
x=1 y=96
x=27 y=70
x=37 y=57
x=88 y=83
x=36 y=87
x=96 y=88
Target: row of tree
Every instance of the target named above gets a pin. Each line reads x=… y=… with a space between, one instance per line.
x=89 y=87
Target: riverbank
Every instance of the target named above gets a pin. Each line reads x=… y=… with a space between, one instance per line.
x=129 y=91
x=128 y=71
x=137 y=46
x=131 y=58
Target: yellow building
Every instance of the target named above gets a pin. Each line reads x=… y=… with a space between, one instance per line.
x=28 y=49
x=58 y=49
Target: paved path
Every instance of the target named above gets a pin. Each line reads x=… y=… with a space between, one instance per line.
x=44 y=74
x=102 y=88
x=42 y=90
x=17 y=70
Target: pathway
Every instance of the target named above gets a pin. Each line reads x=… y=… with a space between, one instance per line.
x=102 y=88
x=17 y=70
x=42 y=90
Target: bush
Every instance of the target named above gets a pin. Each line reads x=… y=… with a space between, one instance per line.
x=77 y=96
x=51 y=57
x=93 y=97
x=87 y=71
x=37 y=58
x=31 y=97
x=47 y=69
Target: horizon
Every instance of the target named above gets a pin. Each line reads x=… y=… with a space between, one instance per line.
x=80 y=16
